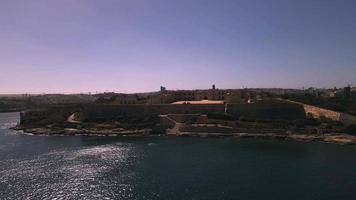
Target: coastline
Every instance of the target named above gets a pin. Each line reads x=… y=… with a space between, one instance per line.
x=268 y=119
x=336 y=138
x=82 y=132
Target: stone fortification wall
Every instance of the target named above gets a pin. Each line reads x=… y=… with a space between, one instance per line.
x=267 y=110
x=108 y=112
x=318 y=112
x=347 y=119
x=182 y=118
x=96 y=112
x=321 y=112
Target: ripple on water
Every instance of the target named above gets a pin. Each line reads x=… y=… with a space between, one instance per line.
x=70 y=174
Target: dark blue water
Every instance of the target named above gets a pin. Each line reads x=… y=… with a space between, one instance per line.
x=42 y=167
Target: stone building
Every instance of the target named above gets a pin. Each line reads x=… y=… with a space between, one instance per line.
x=214 y=94
x=165 y=96
x=170 y=96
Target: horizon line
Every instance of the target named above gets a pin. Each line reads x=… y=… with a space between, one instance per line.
x=175 y=89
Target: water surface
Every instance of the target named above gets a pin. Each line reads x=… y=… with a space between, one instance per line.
x=77 y=167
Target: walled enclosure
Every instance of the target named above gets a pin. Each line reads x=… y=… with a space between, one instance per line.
x=96 y=112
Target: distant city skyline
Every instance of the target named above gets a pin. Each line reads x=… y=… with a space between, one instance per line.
x=66 y=46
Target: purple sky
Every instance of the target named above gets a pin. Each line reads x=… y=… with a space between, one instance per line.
x=71 y=46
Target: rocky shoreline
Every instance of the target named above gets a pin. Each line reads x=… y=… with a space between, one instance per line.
x=83 y=132
x=337 y=138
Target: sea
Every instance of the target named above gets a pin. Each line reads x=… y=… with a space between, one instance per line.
x=168 y=167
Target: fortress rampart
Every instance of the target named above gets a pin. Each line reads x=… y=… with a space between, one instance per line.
x=97 y=112
x=273 y=110
x=318 y=112
x=334 y=115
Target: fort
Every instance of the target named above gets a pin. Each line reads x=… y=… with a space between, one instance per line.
x=165 y=96
x=211 y=112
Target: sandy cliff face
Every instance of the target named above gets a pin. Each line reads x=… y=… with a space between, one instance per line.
x=334 y=115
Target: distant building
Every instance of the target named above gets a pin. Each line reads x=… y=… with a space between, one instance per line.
x=165 y=96
x=329 y=93
x=170 y=96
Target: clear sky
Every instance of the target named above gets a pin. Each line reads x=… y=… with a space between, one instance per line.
x=71 y=46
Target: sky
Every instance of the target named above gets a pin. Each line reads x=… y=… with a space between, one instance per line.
x=73 y=46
